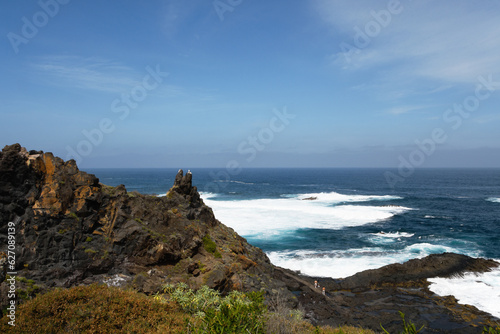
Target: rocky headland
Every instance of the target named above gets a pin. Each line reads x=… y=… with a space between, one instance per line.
x=72 y=230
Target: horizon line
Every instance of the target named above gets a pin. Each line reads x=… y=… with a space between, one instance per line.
x=243 y=168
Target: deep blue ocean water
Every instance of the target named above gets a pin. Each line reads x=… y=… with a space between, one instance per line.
x=336 y=222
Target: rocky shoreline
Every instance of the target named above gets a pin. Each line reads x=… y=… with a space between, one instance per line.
x=73 y=230
x=374 y=297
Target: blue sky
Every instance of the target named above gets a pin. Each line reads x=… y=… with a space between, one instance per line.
x=196 y=83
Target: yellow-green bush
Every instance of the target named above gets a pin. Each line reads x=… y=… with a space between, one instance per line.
x=96 y=309
x=491 y=330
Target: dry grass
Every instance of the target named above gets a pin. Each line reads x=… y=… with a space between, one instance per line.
x=96 y=309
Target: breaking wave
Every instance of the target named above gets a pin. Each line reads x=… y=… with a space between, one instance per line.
x=265 y=217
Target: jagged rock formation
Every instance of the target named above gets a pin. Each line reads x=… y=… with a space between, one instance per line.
x=71 y=230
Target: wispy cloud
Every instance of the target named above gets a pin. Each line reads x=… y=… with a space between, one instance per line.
x=453 y=42
x=86 y=73
x=403 y=109
x=186 y=18
x=487 y=119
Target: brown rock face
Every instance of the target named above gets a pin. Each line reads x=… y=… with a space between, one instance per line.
x=70 y=229
x=64 y=188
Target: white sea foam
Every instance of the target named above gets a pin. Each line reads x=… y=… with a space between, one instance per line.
x=234 y=181
x=273 y=218
x=388 y=237
x=207 y=195
x=336 y=198
x=265 y=217
x=344 y=263
x=396 y=235
x=494 y=199
x=481 y=291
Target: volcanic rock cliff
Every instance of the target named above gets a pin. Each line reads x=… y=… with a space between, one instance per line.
x=71 y=230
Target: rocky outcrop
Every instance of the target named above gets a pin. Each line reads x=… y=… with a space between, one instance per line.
x=71 y=230
x=375 y=297
x=435 y=265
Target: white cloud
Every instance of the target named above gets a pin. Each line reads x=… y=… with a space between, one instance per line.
x=453 y=42
x=86 y=73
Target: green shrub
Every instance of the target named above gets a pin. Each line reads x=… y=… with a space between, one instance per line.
x=210 y=246
x=492 y=330
x=23 y=279
x=235 y=313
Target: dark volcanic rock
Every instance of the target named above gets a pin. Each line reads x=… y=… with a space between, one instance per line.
x=375 y=297
x=71 y=230
x=435 y=265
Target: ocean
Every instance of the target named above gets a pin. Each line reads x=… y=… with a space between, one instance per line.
x=336 y=222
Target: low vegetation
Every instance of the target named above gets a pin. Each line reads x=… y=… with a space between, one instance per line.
x=96 y=309
x=210 y=246
x=234 y=313
x=491 y=330
x=103 y=309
